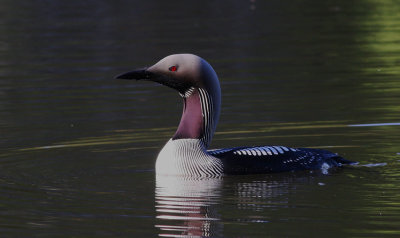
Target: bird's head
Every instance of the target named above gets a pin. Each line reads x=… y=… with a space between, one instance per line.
x=180 y=72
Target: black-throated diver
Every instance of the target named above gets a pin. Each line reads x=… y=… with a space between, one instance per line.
x=186 y=154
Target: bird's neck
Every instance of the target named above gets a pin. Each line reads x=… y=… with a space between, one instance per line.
x=199 y=116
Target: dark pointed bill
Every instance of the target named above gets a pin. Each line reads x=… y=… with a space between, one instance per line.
x=146 y=75
x=136 y=74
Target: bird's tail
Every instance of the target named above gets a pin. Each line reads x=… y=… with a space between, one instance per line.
x=342 y=161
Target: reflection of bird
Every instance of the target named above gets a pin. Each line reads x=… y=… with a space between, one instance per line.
x=187 y=206
x=186 y=152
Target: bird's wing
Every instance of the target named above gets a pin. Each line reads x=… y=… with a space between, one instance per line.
x=267 y=159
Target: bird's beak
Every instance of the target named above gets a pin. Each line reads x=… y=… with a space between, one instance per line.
x=139 y=74
x=147 y=75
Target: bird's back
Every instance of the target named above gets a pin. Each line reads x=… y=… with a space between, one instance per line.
x=270 y=159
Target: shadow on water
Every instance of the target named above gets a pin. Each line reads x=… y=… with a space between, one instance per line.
x=194 y=207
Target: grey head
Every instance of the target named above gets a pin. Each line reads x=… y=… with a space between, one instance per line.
x=198 y=85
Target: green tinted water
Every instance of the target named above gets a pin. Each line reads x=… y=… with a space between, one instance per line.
x=78 y=148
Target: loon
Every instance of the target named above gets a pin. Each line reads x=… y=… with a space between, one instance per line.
x=186 y=154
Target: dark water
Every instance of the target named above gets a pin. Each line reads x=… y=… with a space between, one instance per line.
x=77 y=148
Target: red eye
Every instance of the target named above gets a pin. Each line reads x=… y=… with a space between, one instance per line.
x=173 y=68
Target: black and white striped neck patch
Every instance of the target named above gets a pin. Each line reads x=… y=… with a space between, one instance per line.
x=207 y=110
x=187 y=92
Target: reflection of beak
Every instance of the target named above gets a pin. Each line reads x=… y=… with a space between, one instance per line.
x=139 y=74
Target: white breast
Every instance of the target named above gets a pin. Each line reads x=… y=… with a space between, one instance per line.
x=187 y=157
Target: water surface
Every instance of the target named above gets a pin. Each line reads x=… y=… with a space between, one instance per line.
x=77 y=148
